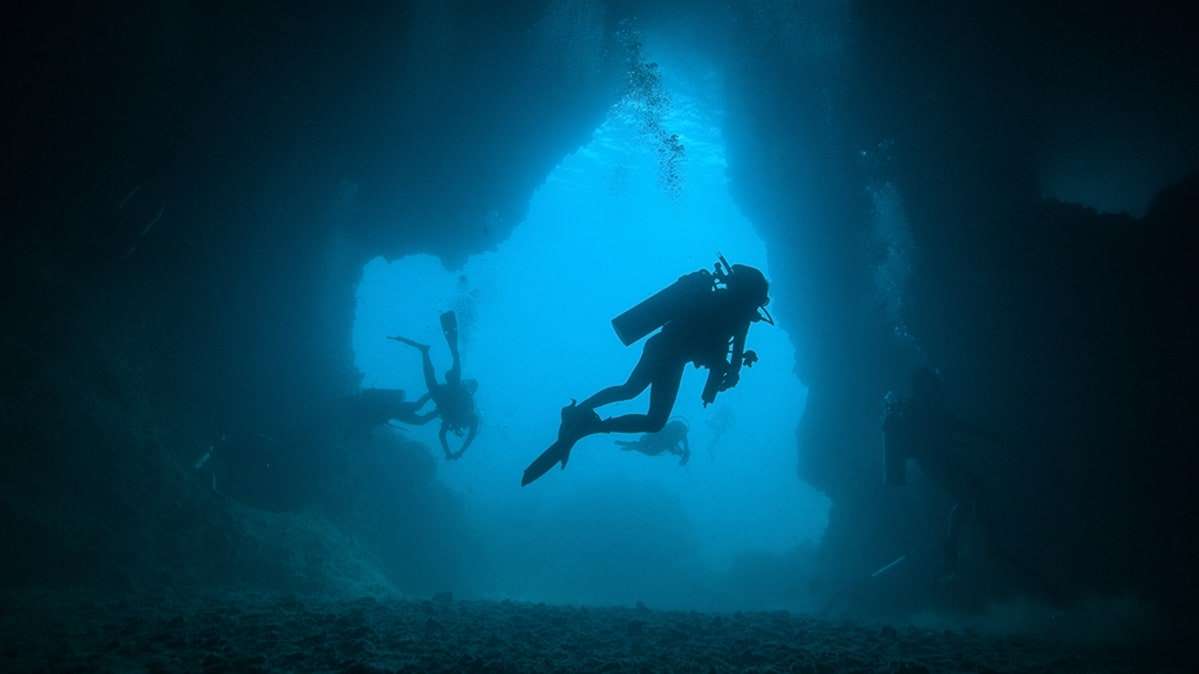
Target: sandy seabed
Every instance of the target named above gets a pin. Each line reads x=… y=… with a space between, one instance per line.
x=253 y=633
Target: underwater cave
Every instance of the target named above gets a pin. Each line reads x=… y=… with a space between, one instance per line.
x=964 y=444
x=604 y=226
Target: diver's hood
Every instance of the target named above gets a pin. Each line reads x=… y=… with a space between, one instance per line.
x=749 y=283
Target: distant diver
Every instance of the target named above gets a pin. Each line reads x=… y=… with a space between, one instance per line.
x=672 y=439
x=455 y=399
x=705 y=317
x=922 y=428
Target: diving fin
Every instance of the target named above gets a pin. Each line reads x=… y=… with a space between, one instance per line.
x=576 y=423
x=557 y=453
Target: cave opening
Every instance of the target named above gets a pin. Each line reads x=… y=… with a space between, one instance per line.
x=611 y=224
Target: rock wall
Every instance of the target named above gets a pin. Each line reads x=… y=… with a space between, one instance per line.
x=194 y=193
x=892 y=158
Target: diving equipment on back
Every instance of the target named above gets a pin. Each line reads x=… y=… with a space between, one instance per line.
x=664 y=306
x=690 y=290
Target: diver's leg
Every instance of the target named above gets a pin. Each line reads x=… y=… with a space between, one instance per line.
x=626 y=391
x=427 y=368
x=664 y=389
x=449 y=327
x=580 y=420
x=639 y=379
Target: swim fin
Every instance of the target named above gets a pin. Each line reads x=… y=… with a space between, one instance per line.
x=576 y=424
x=557 y=453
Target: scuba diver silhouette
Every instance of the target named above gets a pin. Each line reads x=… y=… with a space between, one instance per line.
x=703 y=315
x=671 y=439
x=454 y=399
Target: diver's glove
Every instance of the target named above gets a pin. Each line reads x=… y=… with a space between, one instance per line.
x=749 y=358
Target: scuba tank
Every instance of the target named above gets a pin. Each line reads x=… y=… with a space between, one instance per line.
x=676 y=299
x=664 y=306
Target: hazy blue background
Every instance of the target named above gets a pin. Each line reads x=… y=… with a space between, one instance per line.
x=602 y=233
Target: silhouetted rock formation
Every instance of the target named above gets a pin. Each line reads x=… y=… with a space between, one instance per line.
x=195 y=191
x=1059 y=326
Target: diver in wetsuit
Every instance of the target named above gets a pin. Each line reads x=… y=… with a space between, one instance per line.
x=454 y=399
x=705 y=318
x=671 y=439
x=922 y=428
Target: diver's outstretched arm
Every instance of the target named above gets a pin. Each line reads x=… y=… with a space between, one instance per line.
x=445 y=445
x=733 y=373
x=470 y=436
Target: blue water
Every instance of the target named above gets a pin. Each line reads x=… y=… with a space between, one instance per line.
x=602 y=233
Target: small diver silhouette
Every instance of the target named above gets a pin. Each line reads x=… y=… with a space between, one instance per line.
x=672 y=439
x=704 y=319
x=455 y=399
